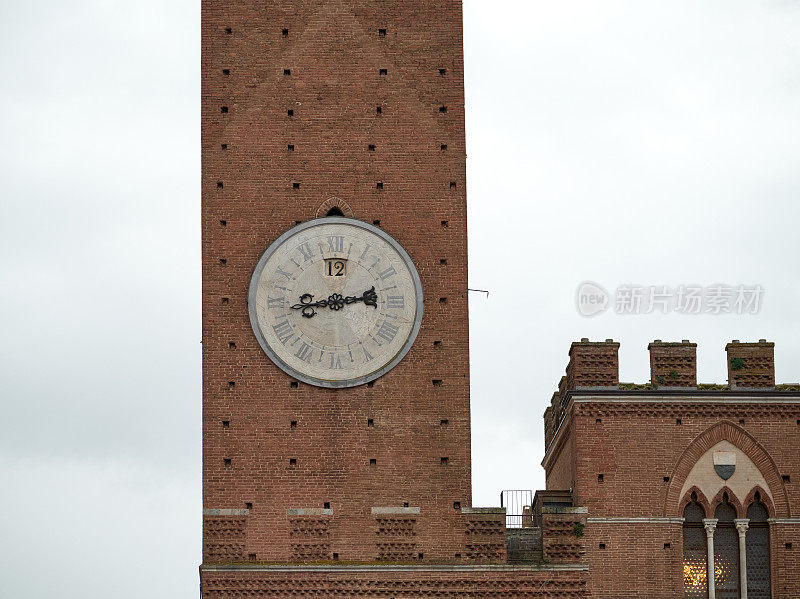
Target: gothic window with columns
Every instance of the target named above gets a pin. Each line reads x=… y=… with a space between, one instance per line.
x=695 y=552
x=726 y=551
x=758 y=581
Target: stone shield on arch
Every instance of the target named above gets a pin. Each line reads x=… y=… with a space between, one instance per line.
x=725 y=463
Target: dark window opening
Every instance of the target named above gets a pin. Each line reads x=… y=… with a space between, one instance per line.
x=335 y=211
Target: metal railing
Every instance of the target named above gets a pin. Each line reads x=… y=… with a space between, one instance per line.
x=518 y=504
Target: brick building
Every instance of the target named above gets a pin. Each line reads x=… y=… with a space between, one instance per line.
x=680 y=479
x=336 y=424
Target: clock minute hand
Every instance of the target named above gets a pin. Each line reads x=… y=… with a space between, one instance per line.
x=335 y=302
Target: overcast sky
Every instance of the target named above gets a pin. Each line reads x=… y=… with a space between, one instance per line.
x=624 y=143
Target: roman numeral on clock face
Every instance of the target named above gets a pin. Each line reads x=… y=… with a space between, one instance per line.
x=336 y=243
x=305 y=352
x=389 y=272
x=275 y=302
x=306 y=250
x=387 y=331
x=283 y=330
x=336 y=362
x=397 y=302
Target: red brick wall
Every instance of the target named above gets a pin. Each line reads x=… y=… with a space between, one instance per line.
x=334 y=53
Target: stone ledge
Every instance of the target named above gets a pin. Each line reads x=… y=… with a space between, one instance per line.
x=223 y=512
x=395 y=510
x=564 y=510
x=483 y=510
x=309 y=511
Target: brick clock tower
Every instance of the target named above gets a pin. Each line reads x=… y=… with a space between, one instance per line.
x=336 y=423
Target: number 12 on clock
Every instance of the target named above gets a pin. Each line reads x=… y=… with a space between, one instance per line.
x=335 y=267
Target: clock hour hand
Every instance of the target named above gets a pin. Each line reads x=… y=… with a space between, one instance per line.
x=335 y=301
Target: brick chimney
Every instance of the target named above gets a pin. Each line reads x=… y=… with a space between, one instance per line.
x=593 y=364
x=673 y=364
x=751 y=364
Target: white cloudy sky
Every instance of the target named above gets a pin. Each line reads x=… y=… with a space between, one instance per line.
x=621 y=142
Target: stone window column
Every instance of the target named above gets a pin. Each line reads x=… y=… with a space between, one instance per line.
x=711 y=526
x=741 y=526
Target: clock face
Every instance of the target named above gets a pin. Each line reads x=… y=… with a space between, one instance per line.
x=335 y=302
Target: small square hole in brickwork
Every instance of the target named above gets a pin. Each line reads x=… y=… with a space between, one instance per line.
x=335 y=556
x=231 y=345
x=445 y=224
x=377 y=223
x=437 y=343
x=444 y=422
x=667 y=545
x=384 y=72
x=442 y=109
x=298 y=222
x=287 y=72
x=458 y=556
x=290 y=112
x=420 y=556
x=381 y=33
x=437 y=382
x=444 y=461
x=224 y=110
x=293 y=385
x=598 y=420
x=293 y=461
x=452 y=184
x=379 y=185
x=602 y=546
x=443 y=261
x=248 y=505
x=223 y=262
x=295 y=185
x=371 y=384
x=220 y=185
x=786 y=478
x=223 y=223
x=327 y=505
x=251 y=557
x=788 y=545
x=293 y=424
x=600 y=478
x=443 y=72
x=373 y=462
x=798 y=423
x=231 y=384
x=405 y=504
x=456 y=505
x=226 y=71
x=225 y=301
x=290 y=147
x=226 y=424
x=379 y=109
x=370 y=422
x=227 y=461
x=371 y=147
x=285 y=33
x=224 y=146
x=228 y=30
x=666 y=479
x=678 y=421
x=443 y=147
x=442 y=300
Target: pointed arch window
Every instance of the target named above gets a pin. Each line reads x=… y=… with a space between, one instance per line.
x=726 y=551
x=695 y=551
x=758 y=580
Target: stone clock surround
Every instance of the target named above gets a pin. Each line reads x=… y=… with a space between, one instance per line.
x=306 y=378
